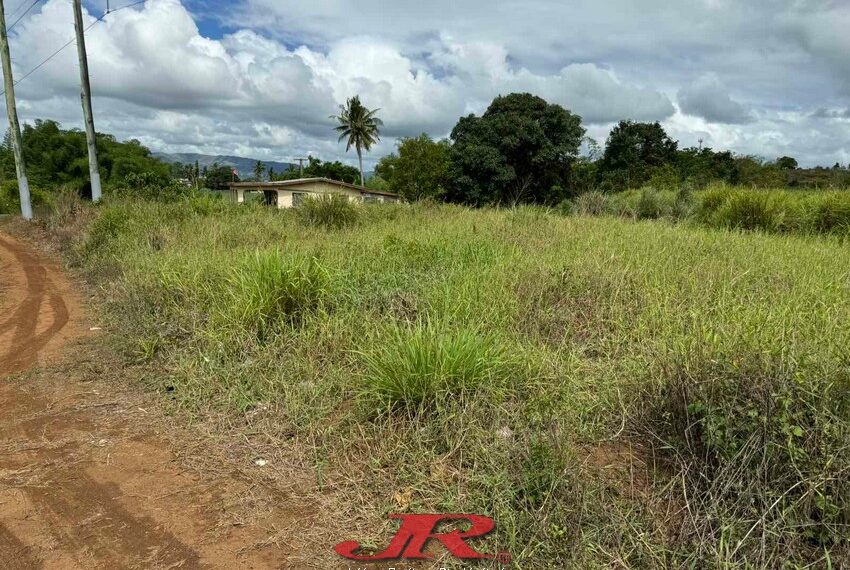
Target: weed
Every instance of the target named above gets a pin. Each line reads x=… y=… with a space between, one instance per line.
x=328 y=212
x=411 y=367
x=268 y=291
x=591 y=204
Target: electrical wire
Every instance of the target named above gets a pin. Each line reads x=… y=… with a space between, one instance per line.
x=16 y=10
x=9 y=29
x=71 y=41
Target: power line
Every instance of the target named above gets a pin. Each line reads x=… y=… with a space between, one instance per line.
x=9 y=29
x=21 y=4
x=71 y=41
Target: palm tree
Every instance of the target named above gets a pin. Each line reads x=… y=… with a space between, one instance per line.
x=360 y=126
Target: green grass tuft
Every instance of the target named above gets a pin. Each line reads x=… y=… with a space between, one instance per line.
x=269 y=291
x=414 y=366
x=328 y=212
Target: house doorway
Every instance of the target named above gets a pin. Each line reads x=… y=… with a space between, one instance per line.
x=270 y=198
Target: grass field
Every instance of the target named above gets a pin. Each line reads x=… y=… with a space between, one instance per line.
x=614 y=393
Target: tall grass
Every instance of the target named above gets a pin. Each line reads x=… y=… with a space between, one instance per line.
x=415 y=367
x=335 y=211
x=268 y=291
x=766 y=210
x=615 y=394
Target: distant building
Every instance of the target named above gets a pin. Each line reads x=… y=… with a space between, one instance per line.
x=290 y=193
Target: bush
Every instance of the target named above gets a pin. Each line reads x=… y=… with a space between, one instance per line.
x=591 y=204
x=683 y=205
x=830 y=213
x=734 y=425
x=150 y=186
x=268 y=291
x=10 y=199
x=652 y=205
x=750 y=211
x=328 y=212
x=770 y=211
x=111 y=223
x=565 y=208
x=411 y=367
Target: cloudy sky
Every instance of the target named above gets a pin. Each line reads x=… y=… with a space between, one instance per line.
x=259 y=78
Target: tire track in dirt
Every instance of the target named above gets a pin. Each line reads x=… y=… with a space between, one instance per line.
x=25 y=344
x=83 y=483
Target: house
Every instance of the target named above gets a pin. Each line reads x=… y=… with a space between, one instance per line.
x=289 y=193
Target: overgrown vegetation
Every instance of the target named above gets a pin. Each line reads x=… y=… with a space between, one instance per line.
x=640 y=395
x=335 y=211
x=767 y=210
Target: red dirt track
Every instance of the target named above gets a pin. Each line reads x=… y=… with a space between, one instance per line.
x=85 y=481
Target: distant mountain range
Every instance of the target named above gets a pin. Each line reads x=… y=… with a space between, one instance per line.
x=244 y=166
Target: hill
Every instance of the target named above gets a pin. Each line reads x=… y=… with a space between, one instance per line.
x=244 y=166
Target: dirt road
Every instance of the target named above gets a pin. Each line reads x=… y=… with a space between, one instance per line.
x=86 y=482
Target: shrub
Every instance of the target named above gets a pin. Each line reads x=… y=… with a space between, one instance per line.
x=328 y=212
x=269 y=290
x=651 y=205
x=411 y=367
x=106 y=228
x=150 y=186
x=734 y=424
x=830 y=213
x=565 y=208
x=683 y=205
x=10 y=199
x=66 y=208
x=591 y=204
x=750 y=210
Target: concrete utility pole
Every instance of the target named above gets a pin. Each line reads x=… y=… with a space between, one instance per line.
x=14 y=126
x=301 y=166
x=91 y=137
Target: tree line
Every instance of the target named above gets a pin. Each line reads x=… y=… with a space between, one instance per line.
x=523 y=149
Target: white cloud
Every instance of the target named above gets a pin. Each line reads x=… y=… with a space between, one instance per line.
x=267 y=88
x=187 y=90
x=708 y=98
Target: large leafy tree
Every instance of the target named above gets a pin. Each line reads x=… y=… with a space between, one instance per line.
x=520 y=150
x=633 y=152
x=787 y=163
x=419 y=170
x=220 y=177
x=359 y=126
x=700 y=166
x=318 y=169
x=57 y=157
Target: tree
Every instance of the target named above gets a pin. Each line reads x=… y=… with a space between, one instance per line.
x=271 y=173
x=419 y=170
x=317 y=169
x=632 y=152
x=701 y=166
x=520 y=150
x=57 y=157
x=787 y=163
x=754 y=171
x=360 y=126
x=219 y=177
x=259 y=170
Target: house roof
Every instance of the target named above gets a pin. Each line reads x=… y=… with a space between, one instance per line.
x=299 y=181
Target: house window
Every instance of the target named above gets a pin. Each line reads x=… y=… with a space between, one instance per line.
x=369 y=199
x=298 y=198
